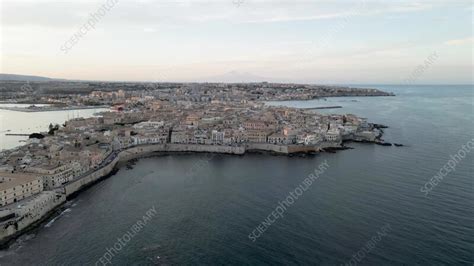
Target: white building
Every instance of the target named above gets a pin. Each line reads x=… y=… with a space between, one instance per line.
x=332 y=135
x=217 y=137
x=149 y=125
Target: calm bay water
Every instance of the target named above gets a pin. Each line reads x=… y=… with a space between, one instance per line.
x=206 y=218
x=27 y=123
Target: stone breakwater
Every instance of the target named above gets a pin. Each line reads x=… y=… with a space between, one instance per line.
x=16 y=221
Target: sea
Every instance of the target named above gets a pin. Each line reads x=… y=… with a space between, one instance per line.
x=14 y=122
x=367 y=207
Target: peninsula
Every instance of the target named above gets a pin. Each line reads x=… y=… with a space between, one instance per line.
x=37 y=178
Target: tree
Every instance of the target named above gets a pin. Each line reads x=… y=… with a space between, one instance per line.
x=52 y=129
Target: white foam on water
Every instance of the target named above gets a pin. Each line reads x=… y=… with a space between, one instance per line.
x=57 y=217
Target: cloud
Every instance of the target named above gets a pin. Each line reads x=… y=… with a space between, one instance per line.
x=304 y=12
x=468 y=40
x=55 y=14
x=288 y=18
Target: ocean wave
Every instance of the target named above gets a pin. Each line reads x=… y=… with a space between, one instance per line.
x=57 y=217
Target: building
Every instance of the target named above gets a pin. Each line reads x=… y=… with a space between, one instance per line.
x=256 y=136
x=217 y=137
x=17 y=186
x=160 y=137
x=55 y=176
x=277 y=138
x=254 y=125
x=149 y=125
x=332 y=136
x=192 y=120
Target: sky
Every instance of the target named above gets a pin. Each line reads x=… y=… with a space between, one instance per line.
x=326 y=42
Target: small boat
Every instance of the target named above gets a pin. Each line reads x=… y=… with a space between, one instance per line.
x=398 y=144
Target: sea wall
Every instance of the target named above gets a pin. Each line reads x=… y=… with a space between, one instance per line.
x=29 y=213
x=138 y=151
x=76 y=185
x=302 y=149
x=283 y=149
x=40 y=206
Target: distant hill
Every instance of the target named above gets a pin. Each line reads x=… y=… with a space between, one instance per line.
x=14 y=77
x=230 y=77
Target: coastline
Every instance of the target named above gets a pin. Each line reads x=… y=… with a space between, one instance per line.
x=324 y=97
x=51 y=108
x=12 y=229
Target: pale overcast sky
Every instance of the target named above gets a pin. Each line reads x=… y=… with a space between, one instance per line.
x=344 y=41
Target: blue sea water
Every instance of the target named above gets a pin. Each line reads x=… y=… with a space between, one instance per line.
x=206 y=206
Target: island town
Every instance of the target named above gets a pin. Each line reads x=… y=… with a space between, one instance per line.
x=37 y=178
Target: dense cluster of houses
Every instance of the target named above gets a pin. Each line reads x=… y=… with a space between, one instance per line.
x=82 y=144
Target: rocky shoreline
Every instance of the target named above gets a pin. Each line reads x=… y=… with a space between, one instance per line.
x=129 y=156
